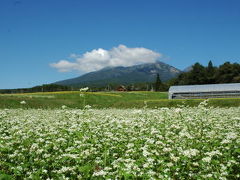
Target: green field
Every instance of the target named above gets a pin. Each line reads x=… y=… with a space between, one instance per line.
x=99 y=100
x=117 y=135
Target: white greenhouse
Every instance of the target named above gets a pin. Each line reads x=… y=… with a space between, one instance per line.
x=231 y=90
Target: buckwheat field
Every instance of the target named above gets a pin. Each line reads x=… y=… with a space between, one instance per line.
x=163 y=143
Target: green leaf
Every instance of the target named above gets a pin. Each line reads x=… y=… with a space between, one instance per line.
x=5 y=177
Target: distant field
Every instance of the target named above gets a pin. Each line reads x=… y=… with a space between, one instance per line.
x=99 y=100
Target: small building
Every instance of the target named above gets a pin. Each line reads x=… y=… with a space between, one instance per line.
x=230 y=90
x=121 y=88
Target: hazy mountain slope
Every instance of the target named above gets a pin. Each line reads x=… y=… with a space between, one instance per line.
x=124 y=75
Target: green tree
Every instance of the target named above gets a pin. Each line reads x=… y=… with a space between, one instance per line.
x=210 y=72
x=227 y=73
x=197 y=75
x=158 y=83
x=210 y=66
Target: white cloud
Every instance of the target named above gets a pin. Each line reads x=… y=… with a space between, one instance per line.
x=100 y=58
x=64 y=65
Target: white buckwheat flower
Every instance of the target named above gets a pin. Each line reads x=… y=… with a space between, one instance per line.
x=23 y=102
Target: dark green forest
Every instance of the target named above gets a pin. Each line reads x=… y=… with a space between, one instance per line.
x=225 y=73
x=42 y=88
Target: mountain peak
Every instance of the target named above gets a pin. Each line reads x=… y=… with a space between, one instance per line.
x=124 y=75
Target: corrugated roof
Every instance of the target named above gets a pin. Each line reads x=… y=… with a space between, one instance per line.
x=205 y=88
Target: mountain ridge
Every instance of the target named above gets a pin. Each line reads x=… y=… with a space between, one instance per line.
x=123 y=75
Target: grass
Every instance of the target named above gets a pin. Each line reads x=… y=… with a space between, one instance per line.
x=99 y=100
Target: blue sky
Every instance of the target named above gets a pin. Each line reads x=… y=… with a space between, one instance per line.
x=37 y=35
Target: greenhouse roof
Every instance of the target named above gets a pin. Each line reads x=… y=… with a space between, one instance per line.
x=205 y=88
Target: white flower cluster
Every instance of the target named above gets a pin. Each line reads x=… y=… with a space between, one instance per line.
x=165 y=143
x=23 y=102
x=84 y=89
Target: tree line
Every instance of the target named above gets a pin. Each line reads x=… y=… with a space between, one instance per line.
x=199 y=74
x=42 y=88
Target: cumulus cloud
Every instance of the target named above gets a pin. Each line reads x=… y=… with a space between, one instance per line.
x=64 y=66
x=100 y=58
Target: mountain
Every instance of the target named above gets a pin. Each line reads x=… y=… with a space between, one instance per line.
x=123 y=75
x=187 y=69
